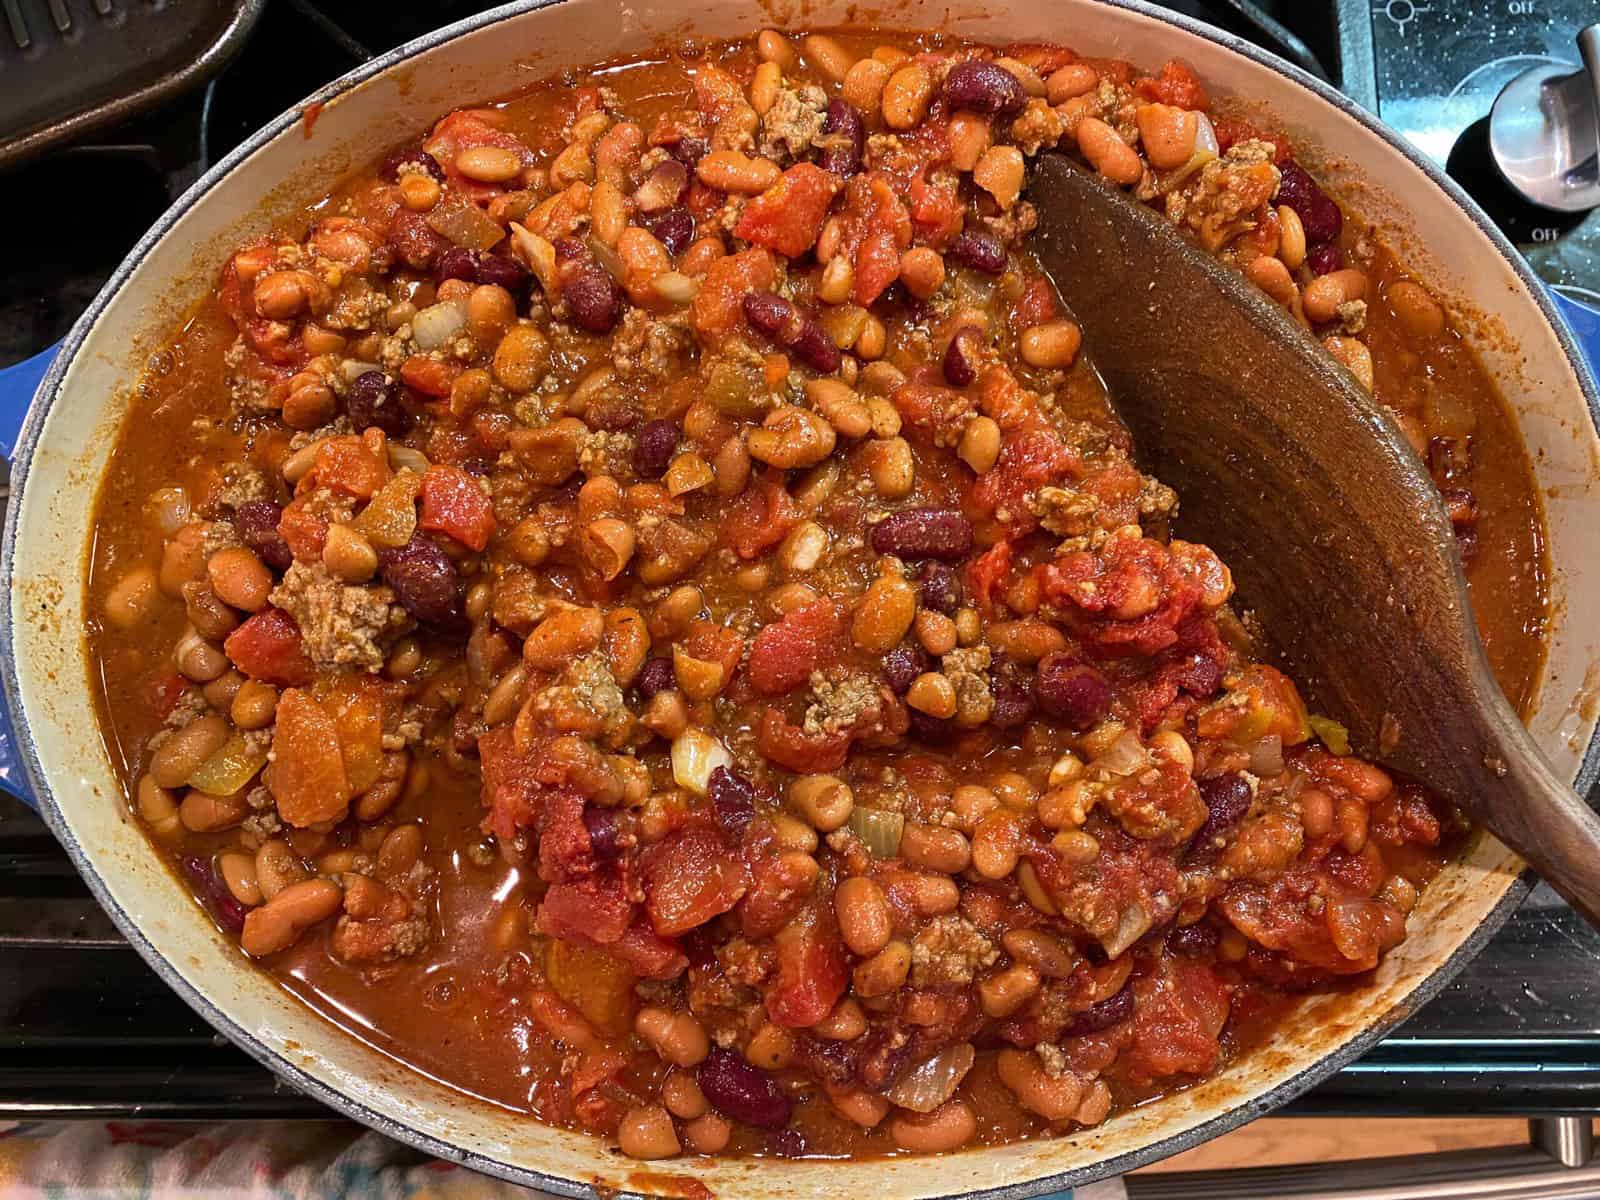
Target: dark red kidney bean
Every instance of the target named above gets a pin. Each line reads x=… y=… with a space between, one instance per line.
x=979 y=86
x=569 y=250
x=978 y=250
x=1199 y=676
x=658 y=442
x=214 y=893
x=412 y=152
x=594 y=299
x=1318 y=213
x=374 y=400
x=673 y=227
x=1101 y=1016
x=505 y=271
x=424 y=580
x=1324 y=258
x=690 y=150
x=457 y=263
x=1227 y=798
x=843 y=138
x=960 y=365
x=902 y=665
x=940 y=533
x=1068 y=688
x=657 y=675
x=738 y=1090
x=1013 y=702
x=1194 y=941
x=733 y=799
x=784 y=323
x=605 y=832
x=941 y=587
x=257 y=524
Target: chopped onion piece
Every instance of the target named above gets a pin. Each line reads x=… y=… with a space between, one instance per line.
x=879 y=830
x=1125 y=756
x=539 y=256
x=1266 y=759
x=1331 y=734
x=675 y=287
x=1131 y=926
x=438 y=324
x=695 y=755
x=933 y=1081
x=609 y=259
x=407 y=458
x=230 y=768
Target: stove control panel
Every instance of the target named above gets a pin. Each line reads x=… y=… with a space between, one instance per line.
x=1437 y=69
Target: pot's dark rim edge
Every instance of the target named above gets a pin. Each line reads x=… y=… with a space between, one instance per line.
x=48 y=394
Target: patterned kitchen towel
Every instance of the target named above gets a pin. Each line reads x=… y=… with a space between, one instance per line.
x=251 y=1160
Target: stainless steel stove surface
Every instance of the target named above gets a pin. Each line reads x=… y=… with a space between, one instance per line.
x=87 y=1030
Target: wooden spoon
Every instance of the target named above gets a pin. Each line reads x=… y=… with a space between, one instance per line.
x=1307 y=489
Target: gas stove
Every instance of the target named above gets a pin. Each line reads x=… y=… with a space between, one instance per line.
x=87 y=1030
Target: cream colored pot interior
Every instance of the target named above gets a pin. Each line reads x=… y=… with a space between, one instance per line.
x=46 y=597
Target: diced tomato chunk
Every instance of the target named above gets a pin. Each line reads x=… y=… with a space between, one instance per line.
x=711 y=642
x=648 y=953
x=718 y=305
x=987 y=573
x=355 y=465
x=1177 y=84
x=429 y=376
x=594 y=910
x=454 y=504
x=689 y=879
x=785 y=653
x=1178 y=1016
x=788 y=216
x=268 y=647
x=759 y=519
x=565 y=849
x=304 y=531
x=803 y=753
x=512 y=790
x=306 y=776
x=812 y=971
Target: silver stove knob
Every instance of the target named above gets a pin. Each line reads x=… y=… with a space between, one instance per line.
x=1544 y=131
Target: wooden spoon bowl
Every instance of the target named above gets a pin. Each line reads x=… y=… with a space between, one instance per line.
x=1302 y=482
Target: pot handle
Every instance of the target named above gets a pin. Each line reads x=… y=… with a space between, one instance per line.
x=18 y=383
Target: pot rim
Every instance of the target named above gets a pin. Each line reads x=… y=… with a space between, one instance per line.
x=48 y=394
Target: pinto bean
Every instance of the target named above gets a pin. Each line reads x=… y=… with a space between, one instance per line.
x=279 y=923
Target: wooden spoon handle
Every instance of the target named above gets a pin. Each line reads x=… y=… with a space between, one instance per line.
x=1548 y=824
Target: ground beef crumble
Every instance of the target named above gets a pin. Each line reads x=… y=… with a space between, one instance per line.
x=341 y=624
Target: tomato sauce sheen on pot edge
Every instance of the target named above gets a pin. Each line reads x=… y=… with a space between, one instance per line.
x=637 y=607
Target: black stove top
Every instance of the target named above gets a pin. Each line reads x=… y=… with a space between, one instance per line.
x=87 y=1029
